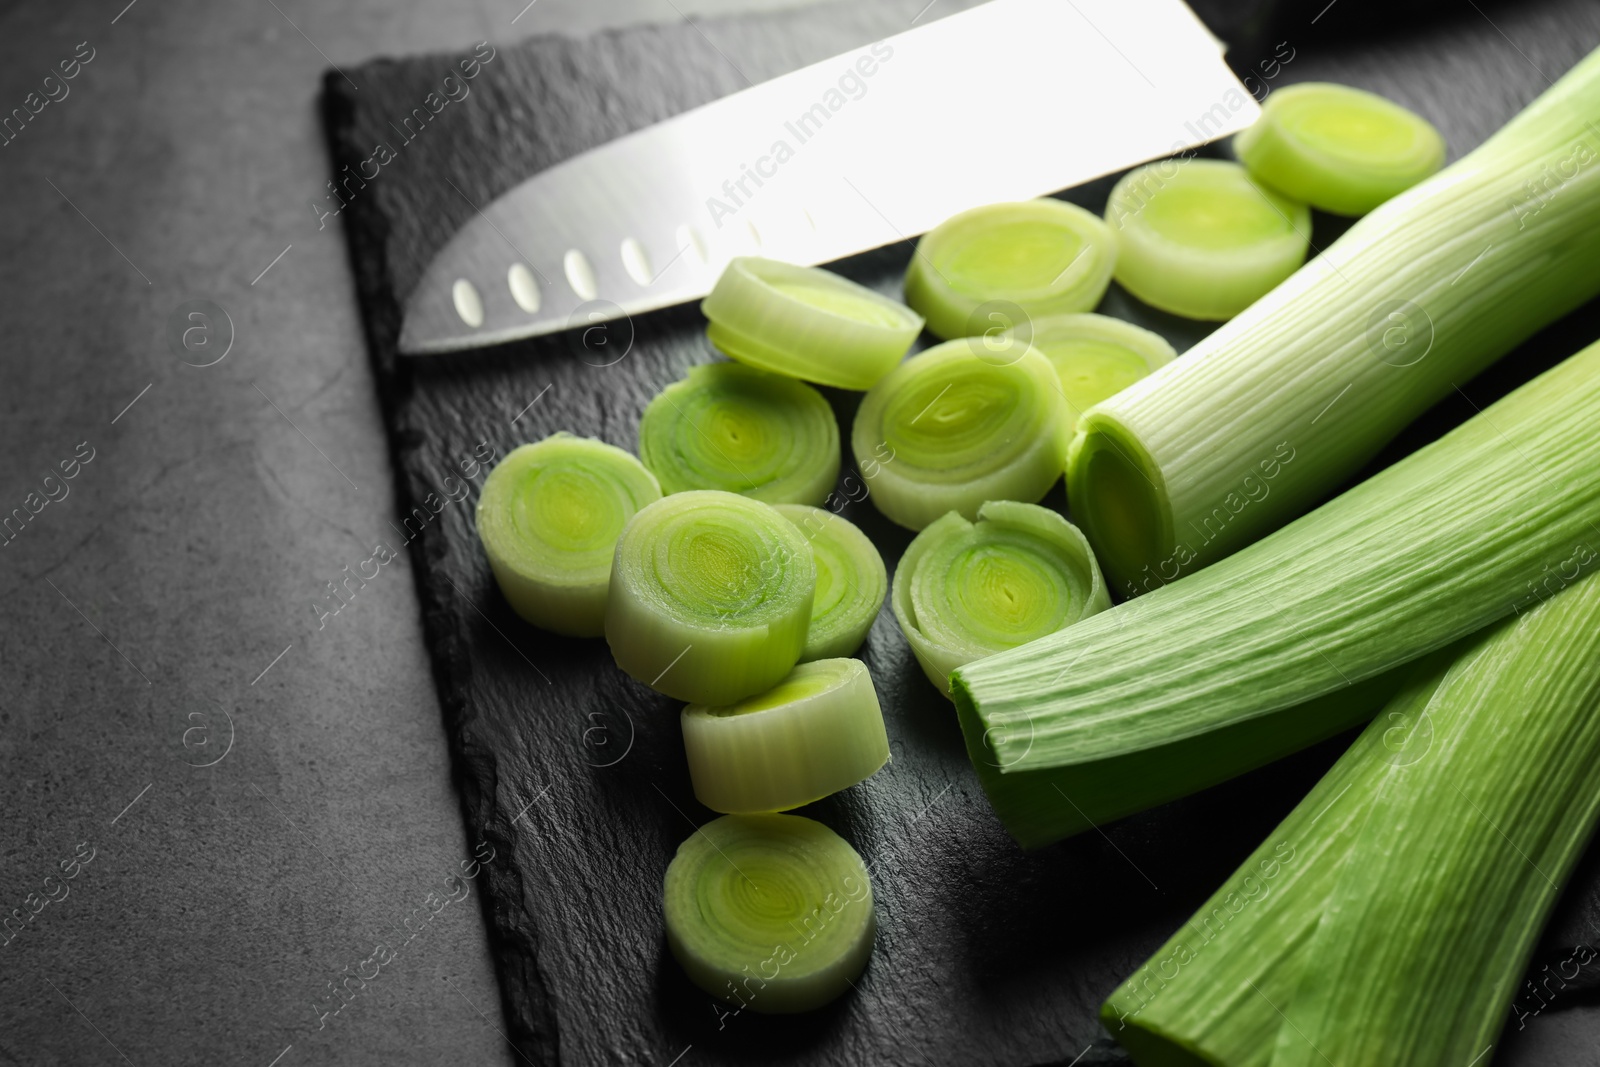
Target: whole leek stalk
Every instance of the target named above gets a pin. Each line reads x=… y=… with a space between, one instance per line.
x=1283 y=404
x=1490 y=518
x=1390 y=917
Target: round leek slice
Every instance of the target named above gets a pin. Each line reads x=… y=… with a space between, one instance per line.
x=966 y=590
x=710 y=597
x=742 y=430
x=851 y=581
x=1337 y=148
x=549 y=518
x=816 y=732
x=807 y=323
x=1202 y=238
x=962 y=429
x=990 y=266
x=769 y=912
x=1097 y=356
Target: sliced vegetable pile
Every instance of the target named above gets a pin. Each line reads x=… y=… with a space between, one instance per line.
x=1398 y=916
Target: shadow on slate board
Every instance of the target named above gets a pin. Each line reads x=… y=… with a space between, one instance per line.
x=575 y=773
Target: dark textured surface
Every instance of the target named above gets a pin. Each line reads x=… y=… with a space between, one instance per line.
x=985 y=955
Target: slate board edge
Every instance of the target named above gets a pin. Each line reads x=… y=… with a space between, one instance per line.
x=524 y=993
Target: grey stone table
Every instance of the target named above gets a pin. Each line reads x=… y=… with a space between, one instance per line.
x=212 y=808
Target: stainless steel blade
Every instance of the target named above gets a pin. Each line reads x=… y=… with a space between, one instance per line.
x=1006 y=101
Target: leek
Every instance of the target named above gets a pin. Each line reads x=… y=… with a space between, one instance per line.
x=964 y=590
x=742 y=430
x=549 y=518
x=1202 y=238
x=994 y=267
x=769 y=912
x=1340 y=149
x=807 y=323
x=710 y=596
x=1096 y=356
x=963 y=428
x=816 y=732
x=1465 y=530
x=1390 y=917
x=851 y=581
x=1190 y=464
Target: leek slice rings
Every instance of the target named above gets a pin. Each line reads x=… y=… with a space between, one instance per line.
x=1036 y=257
x=807 y=323
x=961 y=429
x=710 y=597
x=1202 y=238
x=549 y=518
x=816 y=732
x=731 y=427
x=966 y=590
x=770 y=912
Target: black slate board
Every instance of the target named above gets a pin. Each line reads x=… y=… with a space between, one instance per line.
x=575 y=774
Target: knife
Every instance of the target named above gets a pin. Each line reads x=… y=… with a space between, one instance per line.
x=1010 y=100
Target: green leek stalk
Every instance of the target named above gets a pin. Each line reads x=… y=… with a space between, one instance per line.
x=1265 y=417
x=1465 y=530
x=1391 y=915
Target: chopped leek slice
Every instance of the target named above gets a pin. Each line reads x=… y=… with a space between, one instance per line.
x=1337 y=148
x=1390 y=916
x=808 y=323
x=742 y=430
x=962 y=429
x=1428 y=290
x=1097 y=356
x=1447 y=540
x=1202 y=238
x=770 y=912
x=549 y=518
x=851 y=581
x=966 y=590
x=1037 y=257
x=710 y=596
x=816 y=732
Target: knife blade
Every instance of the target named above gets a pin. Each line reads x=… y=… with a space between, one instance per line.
x=1006 y=101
